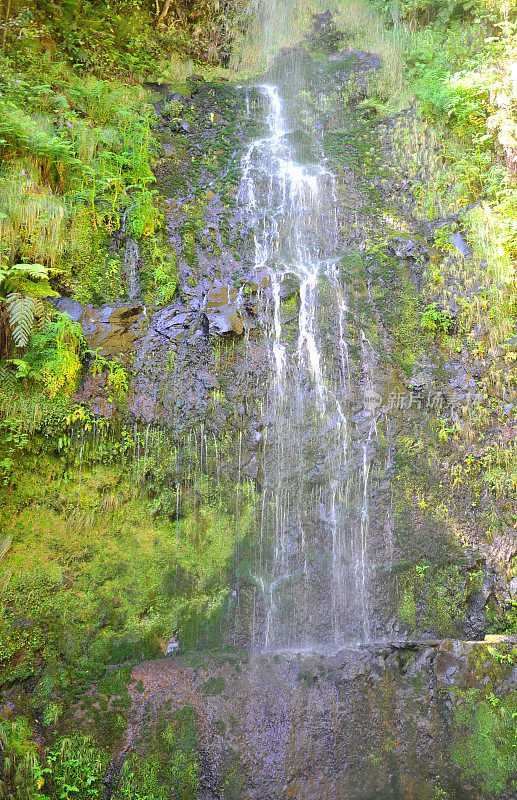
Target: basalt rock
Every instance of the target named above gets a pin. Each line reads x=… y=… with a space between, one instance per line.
x=370 y=723
x=111 y=329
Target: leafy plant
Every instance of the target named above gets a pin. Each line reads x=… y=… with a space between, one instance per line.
x=23 y=287
x=77 y=768
x=174 y=765
x=54 y=356
x=116 y=376
x=17 y=130
x=435 y=320
x=12 y=442
x=173 y=109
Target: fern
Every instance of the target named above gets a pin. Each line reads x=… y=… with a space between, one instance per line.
x=19 y=130
x=53 y=356
x=6 y=376
x=21 y=312
x=26 y=279
x=24 y=286
x=35 y=271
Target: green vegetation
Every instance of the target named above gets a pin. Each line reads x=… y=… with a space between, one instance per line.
x=116 y=537
x=74 y=767
x=174 y=765
x=436 y=598
x=105 y=563
x=23 y=286
x=485 y=727
x=128 y=560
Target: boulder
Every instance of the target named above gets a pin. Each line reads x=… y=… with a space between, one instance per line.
x=225 y=320
x=111 y=329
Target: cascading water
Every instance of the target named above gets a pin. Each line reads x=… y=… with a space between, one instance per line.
x=313 y=570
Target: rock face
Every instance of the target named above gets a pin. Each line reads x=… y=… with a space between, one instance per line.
x=203 y=364
x=169 y=354
x=112 y=329
x=366 y=724
x=132 y=268
x=379 y=722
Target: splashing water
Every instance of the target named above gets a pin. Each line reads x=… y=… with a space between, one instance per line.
x=312 y=572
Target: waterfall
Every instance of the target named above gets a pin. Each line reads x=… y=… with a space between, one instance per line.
x=312 y=571
x=132 y=268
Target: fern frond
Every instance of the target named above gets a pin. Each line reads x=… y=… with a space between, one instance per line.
x=6 y=376
x=19 y=129
x=20 y=312
x=40 y=310
x=37 y=272
x=30 y=288
x=39 y=289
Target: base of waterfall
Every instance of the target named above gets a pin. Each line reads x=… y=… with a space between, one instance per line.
x=396 y=644
x=370 y=722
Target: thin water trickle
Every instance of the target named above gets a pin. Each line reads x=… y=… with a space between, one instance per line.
x=312 y=573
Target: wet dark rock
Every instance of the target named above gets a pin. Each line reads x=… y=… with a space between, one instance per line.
x=224 y=320
x=209 y=381
x=171 y=321
x=423 y=377
x=261 y=280
x=94 y=394
x=304 y=146
x=460 y=244
x=68 y=306
x=446 y=665
x=112 y=329
x=299 y=725
x=377 y=669
x=219 y=296
x=132 y=268
x=289 y=287
x=477 y=601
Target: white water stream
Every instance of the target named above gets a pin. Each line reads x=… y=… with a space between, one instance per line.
x=313 y=567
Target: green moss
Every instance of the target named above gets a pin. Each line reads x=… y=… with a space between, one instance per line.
x=484 y=732
x=407 y=607
x=192 y=227
x=173 y=766
x=107 y=595
x=214 y=686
